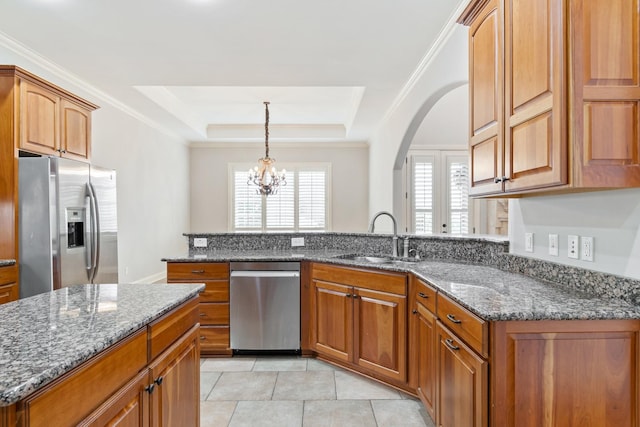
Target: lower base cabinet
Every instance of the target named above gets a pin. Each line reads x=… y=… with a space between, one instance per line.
x=150 y=379
x=463 y=383
x=9 y=284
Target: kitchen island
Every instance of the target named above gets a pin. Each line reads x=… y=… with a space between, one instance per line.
x=83 y=353
x=478 y=344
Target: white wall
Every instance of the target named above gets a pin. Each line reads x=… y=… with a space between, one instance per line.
x=209 y=176
x=152 y=177
x=611 y=217
x=447 y=70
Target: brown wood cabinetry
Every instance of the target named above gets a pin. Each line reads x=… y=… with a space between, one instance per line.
x=51 y=121
x=214 y=301
x=150 y=378
x=8 y=284
x=422 y=344
x=566 y=373
x=554 y=95
x=359 y=319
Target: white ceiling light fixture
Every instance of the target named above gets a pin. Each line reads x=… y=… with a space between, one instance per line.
x=265 y=175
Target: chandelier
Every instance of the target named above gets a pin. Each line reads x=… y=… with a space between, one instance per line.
x=265 y=175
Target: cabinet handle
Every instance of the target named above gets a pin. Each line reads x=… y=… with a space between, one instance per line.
x=414 y=311
x=356 y=296
x=63 y=151
x=452 y=318
x=158 y=380
x=497 y=180
x=149 y=388
x=202 y=338
x=449 y=343
x=197 y=271
x=202 y=314
x=422 y=295
x=348 y=295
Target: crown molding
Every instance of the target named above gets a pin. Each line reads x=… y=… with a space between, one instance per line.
x=62 y=73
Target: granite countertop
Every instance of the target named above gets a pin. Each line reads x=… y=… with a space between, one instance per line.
x=7 y=262
x=490 y=293
x=47 y=335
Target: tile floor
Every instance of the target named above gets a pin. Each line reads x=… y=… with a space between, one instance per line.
x=294 y=391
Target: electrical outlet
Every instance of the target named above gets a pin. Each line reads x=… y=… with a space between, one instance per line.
x=297 y=241
x=553 y=245
x=528 y=242
x=587 y=249
x=200 y=242
x=572 y=247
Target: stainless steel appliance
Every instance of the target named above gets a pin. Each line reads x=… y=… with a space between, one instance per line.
x=265 y=306
x=67 y=225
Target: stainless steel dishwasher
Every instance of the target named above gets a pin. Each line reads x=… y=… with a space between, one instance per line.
x=265 y=306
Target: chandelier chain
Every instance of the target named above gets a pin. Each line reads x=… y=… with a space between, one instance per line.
x=266 y=128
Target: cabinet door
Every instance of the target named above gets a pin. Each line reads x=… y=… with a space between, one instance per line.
x=175 y=399
x=380 y=332
x=606 y=92
x=463 y=383
x=566 y=373
x=76 y=131
x=535 y=101
x=426 y=365
x=129 y=407
x=486 y=119
x=332 y=319
x=39 y=121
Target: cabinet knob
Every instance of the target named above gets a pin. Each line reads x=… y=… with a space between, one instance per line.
x=149 y=388
x=423 y=295
x=452 y=318
x=414 y=311
x=348 y=295
x=158 y=380
x=451 y=345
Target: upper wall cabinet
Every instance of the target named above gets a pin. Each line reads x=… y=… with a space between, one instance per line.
x=554 y=95
x=51 y=121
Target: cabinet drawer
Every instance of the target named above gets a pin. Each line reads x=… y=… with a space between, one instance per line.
x=8 y=292
x=197 y=270
x=469 y=327
x=164 y=331
x=214 y=338
x=214 y=313
x=395 y=283
x=8 y=274
x=425 y=295
x=215 y=291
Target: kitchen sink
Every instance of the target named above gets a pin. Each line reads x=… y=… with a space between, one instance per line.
x=377 y=259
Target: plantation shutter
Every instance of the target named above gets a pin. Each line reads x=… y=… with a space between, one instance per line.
x=311 y=199
x=281 y=207
x=247 y=204
x=423 y=180
x=458 y=172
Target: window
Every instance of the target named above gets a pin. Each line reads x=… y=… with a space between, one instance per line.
x=301 y=205
x=438 y=192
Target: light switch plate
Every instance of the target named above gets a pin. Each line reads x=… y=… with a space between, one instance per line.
x=553 y=245
x=199 y=242
x=297 y=241
x=528 y=242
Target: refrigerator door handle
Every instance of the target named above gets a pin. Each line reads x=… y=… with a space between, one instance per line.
x=95 y=232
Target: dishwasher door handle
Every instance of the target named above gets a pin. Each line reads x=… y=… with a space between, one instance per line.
x=240 y=273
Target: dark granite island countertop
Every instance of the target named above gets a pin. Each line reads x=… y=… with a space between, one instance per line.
x=489 y=292
x=47 y=335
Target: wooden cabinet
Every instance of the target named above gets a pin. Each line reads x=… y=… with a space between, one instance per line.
x=554 y=95
x=52 y=121
x=422 y=344
x=214 y=301
x=359 y=319
x=151 y=378
x=566 y=373
x=463 y=385
x=9 y=284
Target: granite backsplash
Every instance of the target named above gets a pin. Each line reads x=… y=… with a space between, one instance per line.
x=490 y=251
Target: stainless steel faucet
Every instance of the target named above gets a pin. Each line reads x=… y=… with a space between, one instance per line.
x=395 y=229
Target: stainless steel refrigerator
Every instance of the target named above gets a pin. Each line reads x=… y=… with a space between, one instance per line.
x=68 y=226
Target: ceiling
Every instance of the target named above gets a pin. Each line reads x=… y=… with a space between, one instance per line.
x=201 y=69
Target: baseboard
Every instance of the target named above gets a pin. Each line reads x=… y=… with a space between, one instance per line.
x=160 y=277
